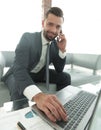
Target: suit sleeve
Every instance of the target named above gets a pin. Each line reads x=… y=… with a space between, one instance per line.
x=58 y=62
x=20 y=69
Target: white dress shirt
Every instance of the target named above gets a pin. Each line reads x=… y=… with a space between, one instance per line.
x=32 y=90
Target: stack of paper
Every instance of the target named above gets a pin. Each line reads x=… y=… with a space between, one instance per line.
x=8 y=121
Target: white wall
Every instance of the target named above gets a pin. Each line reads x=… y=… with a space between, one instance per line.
x=82 y=24
x=17 y=17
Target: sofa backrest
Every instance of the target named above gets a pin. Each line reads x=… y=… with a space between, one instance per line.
x=9 y=57
x=86 y=60
x=89 y=61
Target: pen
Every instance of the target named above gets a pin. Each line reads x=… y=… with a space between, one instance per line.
x=21 y=126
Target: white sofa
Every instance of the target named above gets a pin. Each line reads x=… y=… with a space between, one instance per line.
x=83 y=68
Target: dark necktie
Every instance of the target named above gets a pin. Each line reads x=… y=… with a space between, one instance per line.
x=47 y=66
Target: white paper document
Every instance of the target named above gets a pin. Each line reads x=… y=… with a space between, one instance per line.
x=8 y=121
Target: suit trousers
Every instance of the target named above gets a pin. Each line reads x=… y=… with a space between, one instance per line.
x=61 y=80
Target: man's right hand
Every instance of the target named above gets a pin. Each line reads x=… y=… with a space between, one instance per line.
x=50 y=105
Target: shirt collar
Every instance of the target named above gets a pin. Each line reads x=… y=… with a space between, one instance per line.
x=44 y=41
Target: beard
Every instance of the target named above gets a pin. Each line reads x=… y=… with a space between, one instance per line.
x=49 y=35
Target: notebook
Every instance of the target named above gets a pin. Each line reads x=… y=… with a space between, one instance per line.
x=79 y=105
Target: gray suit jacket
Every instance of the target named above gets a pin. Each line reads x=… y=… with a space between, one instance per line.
x=27 y=55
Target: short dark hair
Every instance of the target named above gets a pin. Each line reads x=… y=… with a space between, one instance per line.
x=56 y=11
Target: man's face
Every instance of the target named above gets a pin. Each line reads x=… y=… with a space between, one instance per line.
x=52 y=26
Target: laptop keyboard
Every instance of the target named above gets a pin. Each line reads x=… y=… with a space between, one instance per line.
x=76 y=109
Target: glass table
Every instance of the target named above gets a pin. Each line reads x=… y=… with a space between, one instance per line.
x=24 y=103
x=16 y=105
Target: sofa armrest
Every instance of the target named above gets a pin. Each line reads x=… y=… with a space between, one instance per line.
x=1 y=72
x=2 y=64
x=69 y=58
x=98 y=66
x=9 y=57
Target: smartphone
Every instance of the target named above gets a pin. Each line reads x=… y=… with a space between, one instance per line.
x=57 y=38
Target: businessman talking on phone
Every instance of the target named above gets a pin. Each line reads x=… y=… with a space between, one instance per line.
x=30 y=65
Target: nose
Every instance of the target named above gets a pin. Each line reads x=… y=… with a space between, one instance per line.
x=53 y=29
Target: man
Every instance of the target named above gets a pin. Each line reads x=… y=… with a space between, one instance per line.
x=30 y=65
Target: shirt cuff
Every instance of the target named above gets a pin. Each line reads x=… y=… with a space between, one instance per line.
x=31 y=91
x=62 y=54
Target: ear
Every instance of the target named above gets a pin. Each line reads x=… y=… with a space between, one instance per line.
x=42 y=23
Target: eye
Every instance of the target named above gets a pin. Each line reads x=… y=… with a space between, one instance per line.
x=58 y=27
x=50 y=24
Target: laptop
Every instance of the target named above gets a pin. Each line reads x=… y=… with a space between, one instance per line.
x=95 y=122
x=79 y=105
